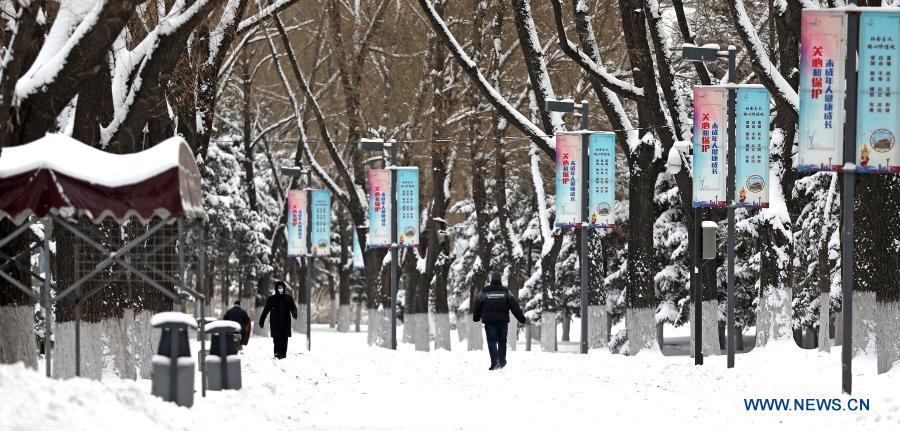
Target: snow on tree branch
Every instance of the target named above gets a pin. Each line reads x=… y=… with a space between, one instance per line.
x=768 y=73
x=274 y=8
x=616 y=85
x=304 y=142
x=512 y=115
x=357 y=201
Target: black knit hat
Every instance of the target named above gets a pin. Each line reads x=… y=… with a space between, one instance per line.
x=496 y=278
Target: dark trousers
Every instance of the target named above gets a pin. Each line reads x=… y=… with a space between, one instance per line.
x=495 y=332
x=280 y=346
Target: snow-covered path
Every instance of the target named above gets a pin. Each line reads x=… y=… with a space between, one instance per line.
x=345 y=384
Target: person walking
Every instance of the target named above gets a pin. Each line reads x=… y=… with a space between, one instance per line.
x=492 y=307
x=282 y=307
x=238 y=315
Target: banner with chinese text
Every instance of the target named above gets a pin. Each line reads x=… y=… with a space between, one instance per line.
x=568 y=175
x=752 y=149
x=407 y=207
x=822 y=51
x=878 y=116
x=602 y=179
x=320 y=222
x=379 y=209
x=296 y=223
x=710 y=146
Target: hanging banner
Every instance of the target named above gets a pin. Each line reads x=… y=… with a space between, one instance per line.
x=296 y=223
x=320 y=205
x=878 y=120
x=823 y=43
x=379 y=209
x=752 y=149
x=602 y=179
x=568 y=176
x=407 y=207
x=358 y=262
x=710 y=146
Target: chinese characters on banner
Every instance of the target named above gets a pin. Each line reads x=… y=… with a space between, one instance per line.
x=822 y=51
x=710 y=146
x=877 y=110
x=358 y=262
x=602 y=179
x=568 y=176
x=320 y=222
x=379 y=209
x=407 y=207
x=296 y=223
x=752 y=149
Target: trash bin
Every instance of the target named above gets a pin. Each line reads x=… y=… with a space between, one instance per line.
x=173 y=367
x=221 y=375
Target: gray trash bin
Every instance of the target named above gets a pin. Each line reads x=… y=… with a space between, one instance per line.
x=219 y=375
x=173 y=367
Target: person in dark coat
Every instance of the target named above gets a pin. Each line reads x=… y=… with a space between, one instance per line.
x=282 y=307
x=238 y=315
x=492 y=307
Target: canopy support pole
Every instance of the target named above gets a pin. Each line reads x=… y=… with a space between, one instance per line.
x=201 y=269
x=45 y=291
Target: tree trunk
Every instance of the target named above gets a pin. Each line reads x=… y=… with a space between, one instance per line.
x=876 y=268
x=17 y=339
x=640 y=320
x=773 y=320
x=346 y=239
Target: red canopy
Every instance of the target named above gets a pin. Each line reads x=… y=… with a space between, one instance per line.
x=60 y=175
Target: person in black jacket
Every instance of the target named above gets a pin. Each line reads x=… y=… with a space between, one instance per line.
x=238 y=315
x=282 y=308
x=492 y=306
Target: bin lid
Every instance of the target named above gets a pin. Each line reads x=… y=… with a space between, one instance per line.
x=222 y=326
x=172 y=318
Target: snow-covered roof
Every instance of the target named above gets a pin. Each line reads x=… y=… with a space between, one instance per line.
x=221 y=324
x=173 y=317
x=61 y=175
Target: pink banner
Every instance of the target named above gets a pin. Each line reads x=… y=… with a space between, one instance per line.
x=568 y=179
x=379 y=208
x=296 y=223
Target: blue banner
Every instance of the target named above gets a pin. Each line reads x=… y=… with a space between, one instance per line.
x=320 y=222
x=358 y=262
x=877 y=104
x=407 y=206
x=602 y=179
x=752 y=149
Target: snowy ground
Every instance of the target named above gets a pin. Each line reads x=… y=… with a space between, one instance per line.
x=344 y=384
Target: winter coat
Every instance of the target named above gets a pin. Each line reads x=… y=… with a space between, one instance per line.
x=238 y=315
x=493 y=304
x=282 y=308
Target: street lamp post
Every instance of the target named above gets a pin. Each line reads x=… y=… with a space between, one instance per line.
x=376 y=145
x=710 y=53
x=307 y=260
x=570 y=106
x=848 y=198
